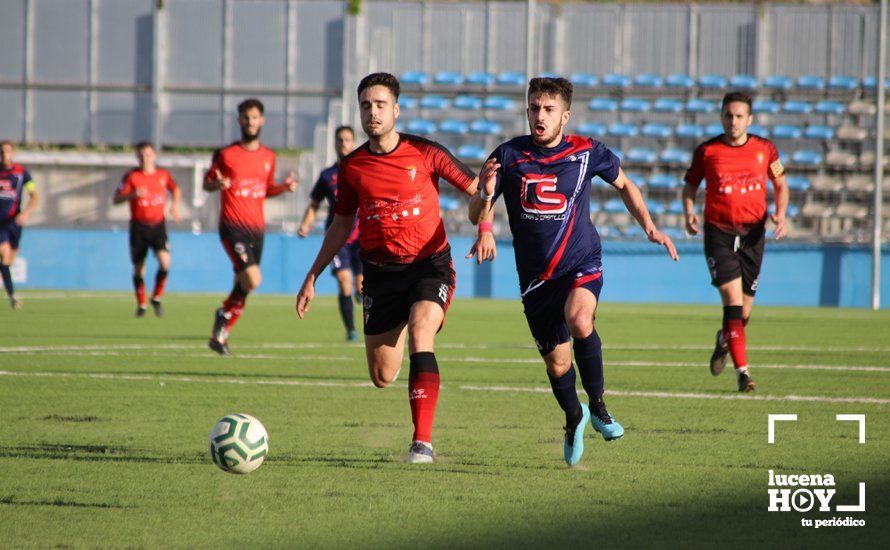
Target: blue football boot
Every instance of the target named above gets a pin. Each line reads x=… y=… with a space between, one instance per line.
x=604 y=423
x=573 y=447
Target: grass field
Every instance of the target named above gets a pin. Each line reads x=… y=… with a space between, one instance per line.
x=105 y=420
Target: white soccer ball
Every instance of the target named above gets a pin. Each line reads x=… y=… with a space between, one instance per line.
x=239 y=443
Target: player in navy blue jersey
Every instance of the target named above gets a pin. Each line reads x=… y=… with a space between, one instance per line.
x=14 y=182
x=545 y=181
x=347 y=265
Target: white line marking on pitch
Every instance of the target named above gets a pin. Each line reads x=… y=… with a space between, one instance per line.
x=330 y=383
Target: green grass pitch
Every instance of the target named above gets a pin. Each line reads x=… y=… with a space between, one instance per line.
x=105 y=421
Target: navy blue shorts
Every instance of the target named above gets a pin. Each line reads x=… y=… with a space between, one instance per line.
x=11 y=232
x=347 y=258
x=545 y=306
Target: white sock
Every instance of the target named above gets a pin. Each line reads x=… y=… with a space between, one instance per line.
x=741 y=371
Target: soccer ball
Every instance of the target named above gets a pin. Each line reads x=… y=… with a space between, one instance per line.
x=238 y=443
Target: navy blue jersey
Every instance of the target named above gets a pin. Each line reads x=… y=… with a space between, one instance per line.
x=547 y=194
x=14 y=181
x=325 y=189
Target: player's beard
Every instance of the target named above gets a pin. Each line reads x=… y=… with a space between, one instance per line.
x=546 y=139
x=247 y=136
x=377 y=131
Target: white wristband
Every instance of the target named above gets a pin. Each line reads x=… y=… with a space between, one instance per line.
x=483 y=196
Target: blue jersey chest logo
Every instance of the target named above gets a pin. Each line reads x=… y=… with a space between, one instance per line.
x=539 y=195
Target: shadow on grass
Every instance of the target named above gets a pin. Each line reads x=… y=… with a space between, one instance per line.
x=11 y=500
x=95 y=453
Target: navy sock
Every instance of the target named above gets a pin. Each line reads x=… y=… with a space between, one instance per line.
x=566 y=394
x=589 y=356
x=7 y=279
x=346 y=311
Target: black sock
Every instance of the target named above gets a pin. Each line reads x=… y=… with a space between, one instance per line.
x=566 y=395
x=346 y=311
x=589 y=356
x=7 y=279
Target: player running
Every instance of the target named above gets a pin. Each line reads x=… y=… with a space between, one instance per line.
x=392 y=183
x=735 y=166
x=244 y=173
x=146 y=189
x=545 y=181
x=347 y=261
x=14 y=181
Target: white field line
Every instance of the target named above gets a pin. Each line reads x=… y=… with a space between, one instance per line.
x=337 y=384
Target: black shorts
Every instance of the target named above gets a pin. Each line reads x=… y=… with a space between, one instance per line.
x=245 y=248
x=348 y=258
x=545 y=305
x=144 y=237
x=732 y=256
x=390 y=290
x=11 y=232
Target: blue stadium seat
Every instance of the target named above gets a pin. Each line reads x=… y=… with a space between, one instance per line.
x=713 y=129
x=744 y=82
x=636 y=177
x=596 y=180
x=657 y=130
x=806 y=158
x=828 y=107
x=468 y=102
x=819 y=131
x=778 y=82
x=758 y=130
x=584 y=79
x=787 y=131
x=667 y=105
x=471 y=152
x=408 y=102
x=792 y=211
x=712 y=81
x=623 y=129
x=614 y=206
x=400 y=126
x=449 y=78
x=511 y=79
x=843 y=82
x=594 y=204
x=675 y=207
x=436 y=102
x=675 y=155
x=678 y=80
x=797 y=107
x=603 y=104
x=798 y=183
x=617 y=152
x=675 y=233
x=648 y=80
x=635 y=105
x=698 y=105
x=548 y=75
x=871 y=82
x=448 y=204
x=499 y=103
x=765 y=106
x=416 y=78
x=811 y=82
x=687 y=130
x=655 y=207
x=594 y=129
x=616 y=80
x=480 y=79
x=421 y=126
x=451 y=126
x=663 y=181
x=485 y=127
x=634 y=231
x=641 y=155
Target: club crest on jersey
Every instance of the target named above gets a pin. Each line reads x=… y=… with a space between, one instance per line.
x=539 y=195
x=759 y=158
x=268 y=166
x=412 y=171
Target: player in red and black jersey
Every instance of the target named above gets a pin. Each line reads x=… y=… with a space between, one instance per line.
x=392 y=184
x=244 y=174
x=735 y=166
x=146 y=189
x=14 y=181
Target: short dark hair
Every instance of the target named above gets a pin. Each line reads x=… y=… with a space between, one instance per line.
x=342 y=128
x=251 y=103
x=552 y=86
x=143 y=144
x=380 y=79
x=733 y=97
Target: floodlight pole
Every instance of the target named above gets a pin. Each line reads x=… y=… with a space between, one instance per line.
x=879 y=159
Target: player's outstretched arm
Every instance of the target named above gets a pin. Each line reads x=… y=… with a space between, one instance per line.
x=781 y=197
x=33 y=200
x=635 y=204
x=334 y=239
x=308 y=219
x=481 y=201
x=289 y=185
x=689 y=209
x=174 y=208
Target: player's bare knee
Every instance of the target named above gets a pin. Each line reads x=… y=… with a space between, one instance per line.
x=580 y=325
x=558 y=367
